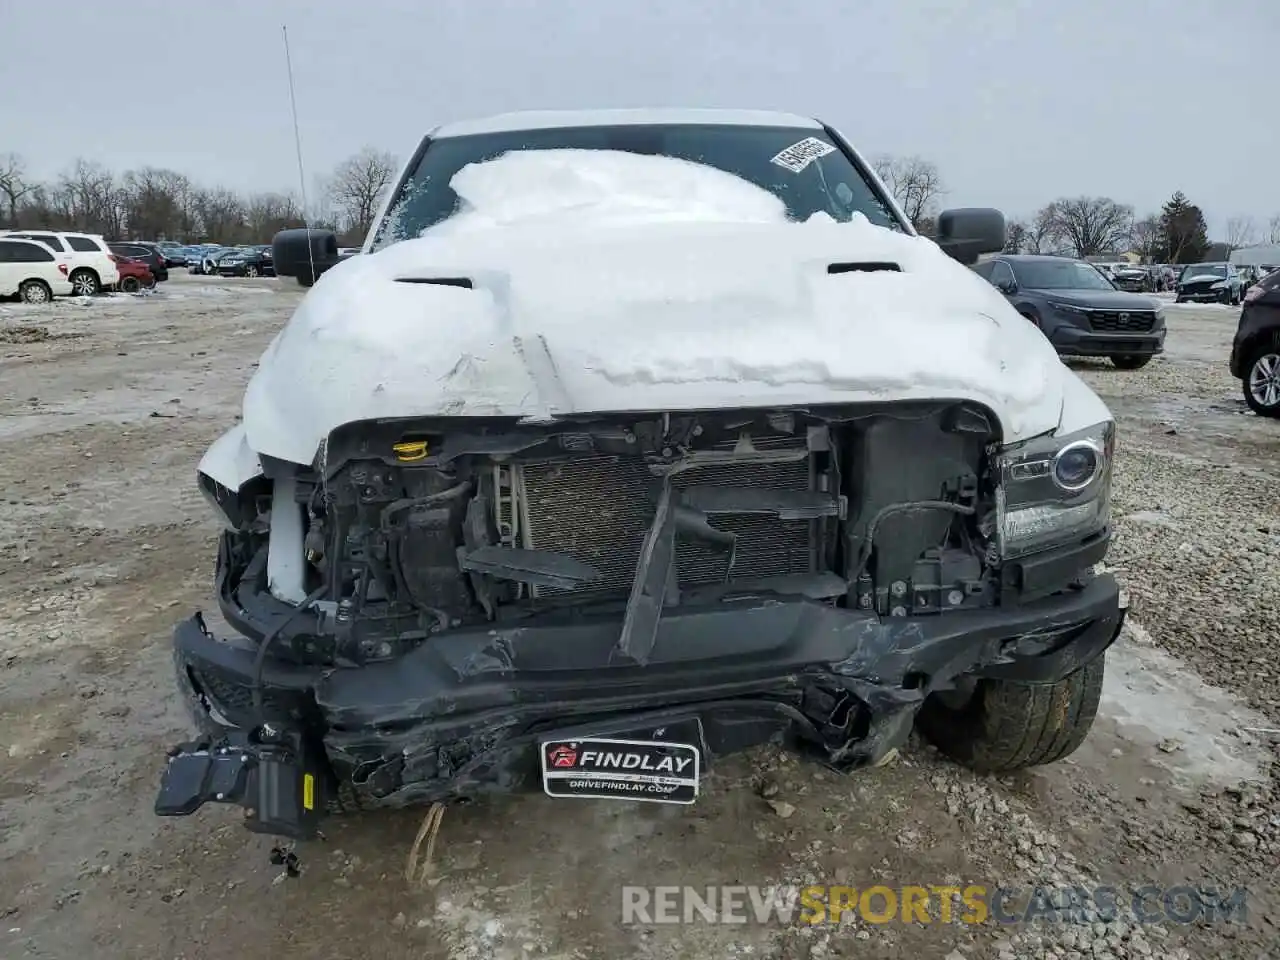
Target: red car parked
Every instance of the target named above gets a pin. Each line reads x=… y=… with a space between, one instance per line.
x=134 y=275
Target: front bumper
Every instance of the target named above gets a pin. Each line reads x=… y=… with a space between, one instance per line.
x=1078 y=342
x=463 y=714
x=1202 y=295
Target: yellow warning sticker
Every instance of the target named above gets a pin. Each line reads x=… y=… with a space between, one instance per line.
x=308 y=792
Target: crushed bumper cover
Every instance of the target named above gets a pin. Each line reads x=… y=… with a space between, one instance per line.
x=462 y=714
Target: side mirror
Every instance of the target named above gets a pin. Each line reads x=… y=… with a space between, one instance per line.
x=969 y=232
x=1008 y=287
x=294 y=252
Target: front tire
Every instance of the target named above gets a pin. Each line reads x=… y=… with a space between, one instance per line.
x=251 y=271
x=1131 y=362
x=1261 y=380
x=85 y=283
x=130 y=285
x=35 y=291
x=1006 y=725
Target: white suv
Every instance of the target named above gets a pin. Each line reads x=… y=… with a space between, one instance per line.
x=33 y=271
x=92 y=264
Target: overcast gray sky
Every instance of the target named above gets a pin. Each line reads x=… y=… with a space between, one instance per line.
x=1017 y=101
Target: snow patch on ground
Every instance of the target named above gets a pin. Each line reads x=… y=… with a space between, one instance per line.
x=1196 y=731
x=192 y=291
x=1170 y=305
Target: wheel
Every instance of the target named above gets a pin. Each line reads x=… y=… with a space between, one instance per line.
x=85 y=283
x=1003 y=725
x=251 y=271
x=305 y=281
x=35 y=291
x=151 y=284
x=1262 y=380
x=130 y=284
x=1130 y=362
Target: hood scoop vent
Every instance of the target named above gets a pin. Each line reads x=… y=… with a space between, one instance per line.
x=462 y=282
x=864 y=266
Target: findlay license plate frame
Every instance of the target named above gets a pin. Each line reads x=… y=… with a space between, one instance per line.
x=564 y=779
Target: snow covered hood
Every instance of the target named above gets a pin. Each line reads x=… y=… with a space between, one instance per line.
x=688 y=289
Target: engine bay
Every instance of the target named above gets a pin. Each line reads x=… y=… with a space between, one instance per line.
x=411 y=528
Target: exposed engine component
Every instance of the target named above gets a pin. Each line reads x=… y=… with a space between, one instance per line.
x=875 y=510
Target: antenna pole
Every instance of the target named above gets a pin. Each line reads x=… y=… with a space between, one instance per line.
x=297 y=141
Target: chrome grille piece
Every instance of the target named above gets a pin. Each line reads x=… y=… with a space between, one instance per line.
x=1119 y=320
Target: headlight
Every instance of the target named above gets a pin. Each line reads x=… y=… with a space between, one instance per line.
x=1054 y=490
x=1067 y=307
x=1219 y=285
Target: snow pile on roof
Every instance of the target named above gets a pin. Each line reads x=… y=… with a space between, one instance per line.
x=603 y=282
x=581 y=187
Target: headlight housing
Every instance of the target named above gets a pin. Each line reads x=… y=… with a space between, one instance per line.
x=1054 y=490
x=1068 y=308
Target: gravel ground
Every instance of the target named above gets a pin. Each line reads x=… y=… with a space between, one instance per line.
x=104 y=543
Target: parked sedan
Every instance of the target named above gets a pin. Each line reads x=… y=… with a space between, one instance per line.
x=1209 y=283
x=148 y=253
x=1255 y=352
x=252 y=262
x=195 y=259
x=1079 y=309
x=208 y=260
x=135 y=275
x=1132 y=278
x=175 y=254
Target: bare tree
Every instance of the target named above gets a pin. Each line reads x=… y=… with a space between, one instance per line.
x=358 y=187
x=158 y=203
x=221 y=215
x=1273 y=229
x=1092 y=225
x=14 y=184
x=1016 y=234
x=1144 y=237
x=914 y=182
x=268 y=213
x=1043 y=233
x=1240 y=232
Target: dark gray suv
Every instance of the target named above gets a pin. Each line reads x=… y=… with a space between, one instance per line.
x=1080 y=310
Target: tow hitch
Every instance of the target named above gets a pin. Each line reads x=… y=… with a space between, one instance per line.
x=279 y=779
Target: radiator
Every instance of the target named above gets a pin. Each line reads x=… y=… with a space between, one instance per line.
x=597 y=509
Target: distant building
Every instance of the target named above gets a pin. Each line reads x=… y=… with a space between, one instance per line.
x=1262 y=255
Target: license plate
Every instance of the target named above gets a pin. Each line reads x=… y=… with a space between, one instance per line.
x=648 y=770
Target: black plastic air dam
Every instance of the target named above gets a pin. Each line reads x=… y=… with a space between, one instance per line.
x=493 y=690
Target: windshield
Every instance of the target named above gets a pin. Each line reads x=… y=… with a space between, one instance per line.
x=813 y=177
x=1205 y=270
x=1067 y=275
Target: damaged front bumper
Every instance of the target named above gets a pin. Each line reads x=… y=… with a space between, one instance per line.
x=473 y=710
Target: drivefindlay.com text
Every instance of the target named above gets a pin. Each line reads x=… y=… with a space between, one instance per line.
x=934 y=903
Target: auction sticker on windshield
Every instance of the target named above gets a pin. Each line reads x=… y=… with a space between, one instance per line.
x=649 y=770
x=799 y=155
